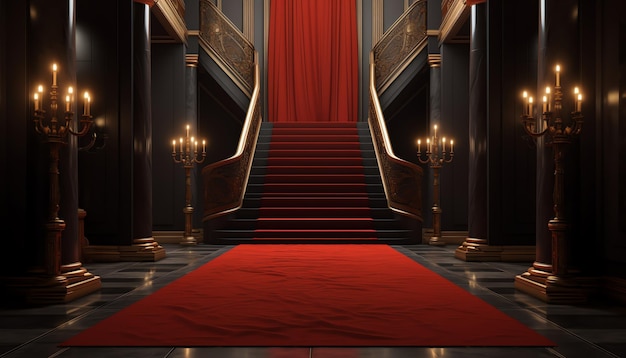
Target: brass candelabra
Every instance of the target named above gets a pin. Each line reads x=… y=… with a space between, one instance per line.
x=55 y=134
x=436 y=161
x=188 y=156
x=559 y=135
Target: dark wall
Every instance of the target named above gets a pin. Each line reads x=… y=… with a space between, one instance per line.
x=512 y=34
x=610 y=124
x=21 y=155
x=169 y=121
x=104 y=66
x=454 y=123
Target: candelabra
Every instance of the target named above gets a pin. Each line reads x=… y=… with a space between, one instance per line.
x=55 y=134
x=559 y=135
x=189 y=159
x=436 y=162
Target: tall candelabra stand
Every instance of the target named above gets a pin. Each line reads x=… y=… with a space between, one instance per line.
x=559 y=134
x=435 y=161
x=188 y=156
x=55 y=133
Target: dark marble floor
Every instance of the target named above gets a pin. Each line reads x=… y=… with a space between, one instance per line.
x=593 y=330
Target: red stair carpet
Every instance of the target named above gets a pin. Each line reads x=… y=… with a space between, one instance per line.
x=314 y=185
x=310 y=295
x=314 y=182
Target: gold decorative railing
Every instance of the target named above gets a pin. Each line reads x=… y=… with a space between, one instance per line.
x=225 y=181
x=402 y=180
x=227 y=46
x=400 y=44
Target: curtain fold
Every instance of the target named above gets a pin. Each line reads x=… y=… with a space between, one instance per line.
x=312 y=61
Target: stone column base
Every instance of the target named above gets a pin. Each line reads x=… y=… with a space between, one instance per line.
x=572 y=290
x=74 y=282
x=141 y=250
x=478 y=250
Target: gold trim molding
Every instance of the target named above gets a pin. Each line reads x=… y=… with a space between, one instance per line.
x=171 y=15
x=455 y=16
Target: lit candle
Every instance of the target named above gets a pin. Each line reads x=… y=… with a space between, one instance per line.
x=579 y=103
x=545 y=104
x=86 y=104
x=419 y=143
x=558 y=76
x=187 y=132
x=428 y=145
x=181 y=145
x=195 y=150
x=435 y=131
x=203 y=146
x=174 y=146
x=444 y=144
x=67 y=103
x=40 y=90
x=530 y=106
x=192 y=142
x=549 y=98
x=525 y=109
x=451 y=146
x=54 y=74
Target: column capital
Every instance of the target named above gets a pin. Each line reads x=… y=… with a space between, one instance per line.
x=191 y=60
x=434 y=60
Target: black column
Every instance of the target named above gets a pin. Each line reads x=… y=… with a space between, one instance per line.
x=142 y=124
x=477 y=156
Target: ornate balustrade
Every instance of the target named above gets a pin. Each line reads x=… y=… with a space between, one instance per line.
x=395 y=50
x=227 y=46
x=399 y=45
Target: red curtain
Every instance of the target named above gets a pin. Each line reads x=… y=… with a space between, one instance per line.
x=312 y=61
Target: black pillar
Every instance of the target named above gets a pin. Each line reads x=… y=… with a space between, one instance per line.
x=477 y=157
x=142 y=124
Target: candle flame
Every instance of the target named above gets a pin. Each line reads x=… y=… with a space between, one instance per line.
x=530 y=100
x=435 y=127
x=451 y=141
x=181 y=139
x=174 y=142
x=548 y=90
x=70 y=90
x=545 y=99
x=419 y=141
x=575 y=90
x=54 y=67
x=203 y=142
x=580 y=97
x=67 y=98
x=558 y=68
x=40 y=88
x=86 y=95
x=444 y=139
x=36 y=96
x=525 y=94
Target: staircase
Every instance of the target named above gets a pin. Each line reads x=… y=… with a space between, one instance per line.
x=313 y=183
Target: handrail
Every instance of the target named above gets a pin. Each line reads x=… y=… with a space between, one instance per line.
x=400 y=44
x=396 y=49
x=227 y=46
x=225 y=181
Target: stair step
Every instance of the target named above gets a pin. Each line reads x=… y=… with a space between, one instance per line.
x=316 y=145
x=312 y=223
x=316 y=138
x=317 y=161
x=277 y=125
x=269 y=188
x=314 y=178
x=320 y=169
x=308 y=153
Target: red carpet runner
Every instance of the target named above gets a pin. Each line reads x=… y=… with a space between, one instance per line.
x=310 y=296
x=315 y=185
